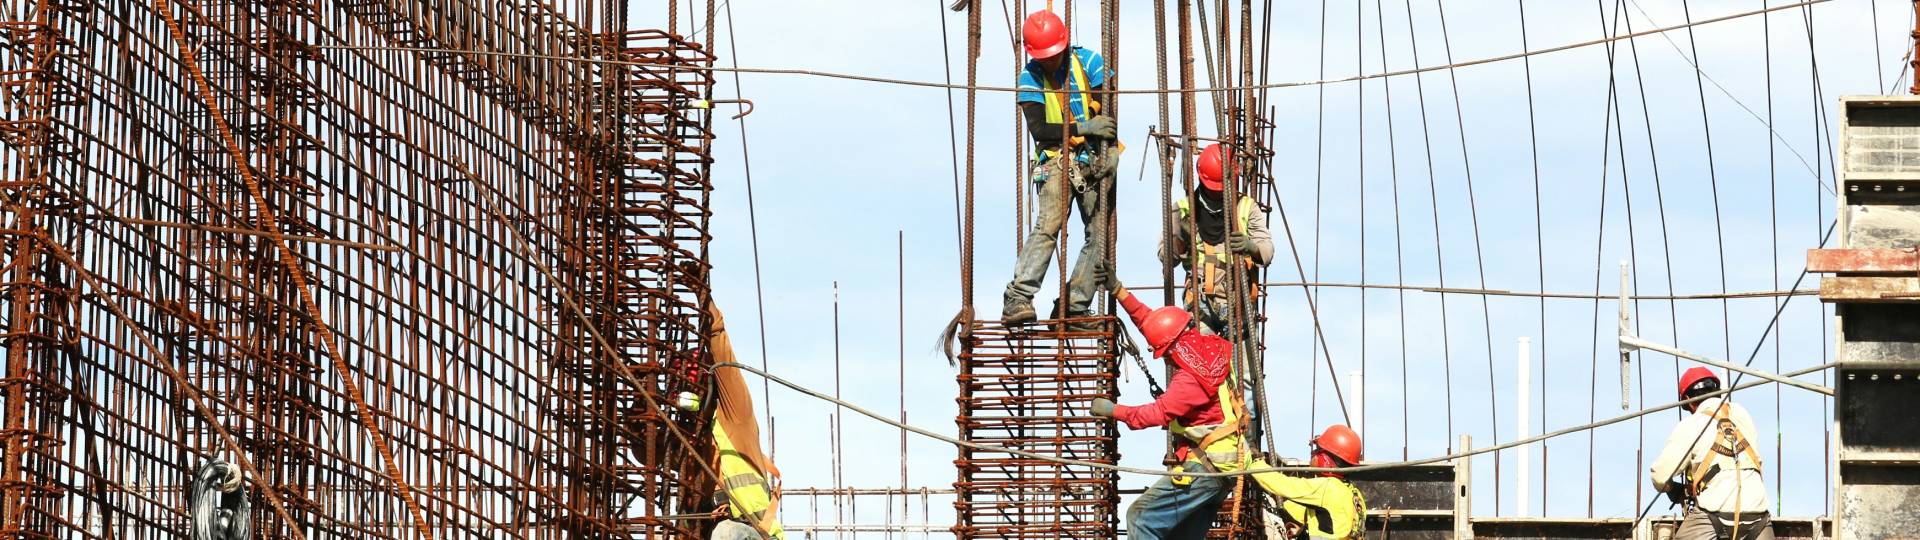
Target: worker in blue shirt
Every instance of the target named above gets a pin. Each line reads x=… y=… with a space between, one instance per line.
x=1064 y=118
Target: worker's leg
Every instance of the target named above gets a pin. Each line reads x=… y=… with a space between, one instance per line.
x=1696 y=526
x=729 y=529
x=1031 y=265
x=1096 y=207
x=1168 y=509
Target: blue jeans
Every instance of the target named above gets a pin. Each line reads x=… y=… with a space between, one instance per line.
x=1051 y=207
x=1168 y=510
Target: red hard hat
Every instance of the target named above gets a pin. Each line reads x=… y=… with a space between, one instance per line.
x=1340 y=441
x=1209 y=167
x=1162 y=326
x=1043 y=34
x=1698 y=376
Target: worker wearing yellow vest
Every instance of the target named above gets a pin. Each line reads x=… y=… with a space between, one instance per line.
x=1711 y=467
x=1064 y=119
x=1225 y=243
x=748 y=478
x=1203 y=407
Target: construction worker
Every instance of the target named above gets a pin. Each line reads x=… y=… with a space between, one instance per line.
x=1203 y=407
x=1325 y=506
x=1215 y=252
x=747 y=476
x=1712 y=468
x=1200 y=406
x=1074 y=160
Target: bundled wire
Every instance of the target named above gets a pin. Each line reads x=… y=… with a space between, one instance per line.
x=216 y=504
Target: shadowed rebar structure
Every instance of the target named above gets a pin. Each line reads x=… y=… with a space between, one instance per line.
x=412 y=294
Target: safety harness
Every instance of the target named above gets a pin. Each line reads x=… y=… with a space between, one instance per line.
x=1216 y=446
x=1728 y=449
x=1211 y=261
x=1059 y=105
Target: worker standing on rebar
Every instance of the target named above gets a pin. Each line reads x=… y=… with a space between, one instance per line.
x=1200 y=405
x=1236 y=241
x=1710 y=466
x=747 y=476
x=1074 y=160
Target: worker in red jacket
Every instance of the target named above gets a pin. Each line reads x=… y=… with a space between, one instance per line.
x=1201 y=406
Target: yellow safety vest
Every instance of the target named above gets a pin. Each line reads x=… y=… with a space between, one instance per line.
x=1210 y=261
x=1731 y=452
x=1322 y=521
x=748 y=493
x=1060 y=107
x=1221 y=443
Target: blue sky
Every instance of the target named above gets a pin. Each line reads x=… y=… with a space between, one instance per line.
x=840 y=168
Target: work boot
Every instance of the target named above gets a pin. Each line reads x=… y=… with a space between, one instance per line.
x=1075 y=326
x=1017 y=312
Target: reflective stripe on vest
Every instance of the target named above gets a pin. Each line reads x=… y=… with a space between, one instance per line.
x=1207 y=259
x=749 y=495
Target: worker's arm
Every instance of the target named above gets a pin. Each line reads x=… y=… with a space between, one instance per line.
x=1312 y=491
x=1136 y=309
x=1177 y=254
x=1045 y=133
x=1674 y=456
x=1184 y=396
x=1262 y=252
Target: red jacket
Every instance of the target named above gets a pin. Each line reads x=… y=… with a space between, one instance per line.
x=1192 y=396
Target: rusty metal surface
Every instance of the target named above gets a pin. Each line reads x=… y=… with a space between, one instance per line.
x=1027 y=388
x=499 y=249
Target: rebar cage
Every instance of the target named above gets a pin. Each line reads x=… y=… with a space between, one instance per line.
x=451 y=291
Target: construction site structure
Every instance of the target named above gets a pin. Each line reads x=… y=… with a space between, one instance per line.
x=412 y=280
x=1875 y=289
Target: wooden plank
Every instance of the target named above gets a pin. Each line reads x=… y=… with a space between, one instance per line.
x=1870 y=289
x=1865 y=261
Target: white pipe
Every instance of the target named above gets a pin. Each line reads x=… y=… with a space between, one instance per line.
x=1626 y=329
x=1521 y=497
x=1357 y=387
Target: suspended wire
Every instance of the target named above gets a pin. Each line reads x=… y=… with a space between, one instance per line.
x=816 y=394
x=1319 y=182
x=953 y=130
x=1479 y=253
x=1713 y=183
x=1433 y=198
x=1008 y=89
x=1399 y=248
x=753 y=232
x=1773 y=240
x=1539 y=238
x=1599 y=250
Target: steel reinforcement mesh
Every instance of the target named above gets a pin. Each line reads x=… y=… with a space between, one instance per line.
x=440 y=294
x=1027 y=389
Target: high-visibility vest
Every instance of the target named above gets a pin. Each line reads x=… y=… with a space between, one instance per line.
x=1731 y=452
x=749 y=496
x=1349 y=523
x=1210 y=261
x=1221 y=443
x=1060 y=106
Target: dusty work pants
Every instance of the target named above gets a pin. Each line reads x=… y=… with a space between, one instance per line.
x=1704 y=525
x=1170 y=510
x=1095 y=201
x=730 y=529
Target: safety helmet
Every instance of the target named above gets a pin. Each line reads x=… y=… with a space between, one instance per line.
x=1210 y=167
x=1043 y=34
x=1340 y=442
x=1696 y=380
x=1162 y=326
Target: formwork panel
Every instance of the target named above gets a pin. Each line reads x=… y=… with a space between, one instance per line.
x=1027 y=388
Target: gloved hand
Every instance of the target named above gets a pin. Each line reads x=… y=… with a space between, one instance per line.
x=1102 y=407
x=1105 y=164
x=1241 y=243
x=1099 y=127
x=1676 y=491
x=1113 y=283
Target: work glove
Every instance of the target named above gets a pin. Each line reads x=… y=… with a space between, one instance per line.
x=1241 y=243
x=1105 y=164
x=1676 y=491
x=1099 y=127
x=1102 y=407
